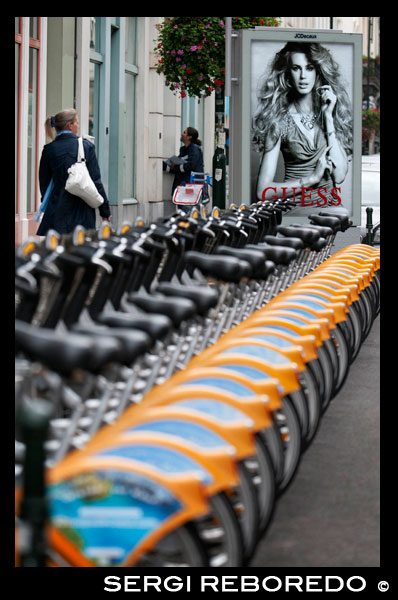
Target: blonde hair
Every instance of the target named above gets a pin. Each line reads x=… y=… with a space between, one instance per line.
x=59 y=121
x=276 y=94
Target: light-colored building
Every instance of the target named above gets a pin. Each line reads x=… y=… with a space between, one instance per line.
x=344 y=24
x=105 y=68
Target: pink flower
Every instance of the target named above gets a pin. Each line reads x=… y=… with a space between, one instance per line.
x=200 y=78
x=175 y=26
x=199 y=46
x=180 y=51
x=216 y=43
x=178 y=59
x=193 y=48
x=172 y=52
x=183 y=66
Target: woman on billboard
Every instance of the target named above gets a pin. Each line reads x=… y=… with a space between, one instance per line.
x=304 y=113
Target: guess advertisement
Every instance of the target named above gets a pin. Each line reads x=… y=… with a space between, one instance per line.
x=302 y=113
x=304 y=123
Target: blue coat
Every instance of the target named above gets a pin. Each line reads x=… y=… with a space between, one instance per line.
x=193 y=162
x=64 y=210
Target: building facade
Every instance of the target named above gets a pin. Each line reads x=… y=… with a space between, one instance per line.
x=104 y=67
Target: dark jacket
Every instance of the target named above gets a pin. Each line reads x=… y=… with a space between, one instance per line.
x=193 y=162
x=64 y=210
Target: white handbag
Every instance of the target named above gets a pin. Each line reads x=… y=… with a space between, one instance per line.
x=79 y=182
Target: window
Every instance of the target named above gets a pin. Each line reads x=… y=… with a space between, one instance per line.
x=29 y=180
x=130 y=72
x=94 y=99
x=34 y=27
x=32 y=128
x=96 y=60
x=18 y=41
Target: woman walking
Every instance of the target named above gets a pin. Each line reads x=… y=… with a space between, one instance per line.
x=64 y=210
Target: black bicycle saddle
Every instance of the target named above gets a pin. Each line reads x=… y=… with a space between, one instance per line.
x=156 y=326
x=225 y=268
x=204 y=297
x=177 y=309
x=290 y=242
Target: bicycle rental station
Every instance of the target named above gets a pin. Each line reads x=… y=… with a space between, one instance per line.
x=171 y=376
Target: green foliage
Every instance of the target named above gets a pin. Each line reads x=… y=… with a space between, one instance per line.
x=370 y=123
x=191 y=51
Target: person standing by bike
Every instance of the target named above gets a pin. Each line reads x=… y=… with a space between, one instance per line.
x=192 y=159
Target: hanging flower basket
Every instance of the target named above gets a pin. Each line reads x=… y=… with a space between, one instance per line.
x=370 y=123
x=191 y=51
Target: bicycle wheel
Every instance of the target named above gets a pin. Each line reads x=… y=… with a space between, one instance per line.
x=272 y=438
x=346 y=329
x=221 y=534
x=314 y=367
x=245 y=502
x=366 y=314
x=371 y=307
x=331 y=351
x=288 y=423
x=343 y=357
x=355 y=322
x=313 y=399
x=261 y=470
x=300 y=404
x=376 y=284
x=180 y=548
x=327 y=374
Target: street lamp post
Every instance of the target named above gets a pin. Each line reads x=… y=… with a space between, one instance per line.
x=370 y=37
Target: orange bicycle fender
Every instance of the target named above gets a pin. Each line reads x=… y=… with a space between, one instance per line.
x=234 y=383
x=293 y=353
x=251 y=408
x=93 y=477
x=319 y=328
x=237 y=433
x=219 y=462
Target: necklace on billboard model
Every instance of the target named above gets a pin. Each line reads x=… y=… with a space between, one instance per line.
x=307 y=119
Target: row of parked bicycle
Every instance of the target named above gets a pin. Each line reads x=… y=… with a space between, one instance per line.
x=170 y=377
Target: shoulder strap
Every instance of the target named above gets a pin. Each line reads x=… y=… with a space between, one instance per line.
x=80 y=154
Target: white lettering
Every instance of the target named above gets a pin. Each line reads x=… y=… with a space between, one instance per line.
x=129 y=579
x=114 y=581
x=275 y=589
x=311 y=581
x=328 y=579
x=225 y=583
x=205 y=583
x=177 y=585
x=290 y=582
x=250 y=586
x=355 y=589
x=148 y=583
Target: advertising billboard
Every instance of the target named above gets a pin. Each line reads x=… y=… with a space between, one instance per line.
x=296 y=120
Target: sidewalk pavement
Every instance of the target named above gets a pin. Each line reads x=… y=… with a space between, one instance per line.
x=330 y=514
